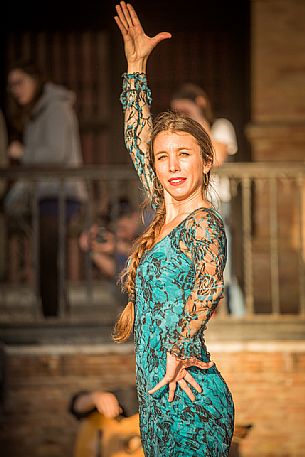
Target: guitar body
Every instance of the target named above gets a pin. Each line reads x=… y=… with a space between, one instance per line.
x=100 y=436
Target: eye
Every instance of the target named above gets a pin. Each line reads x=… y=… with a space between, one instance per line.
x=161 y=157
x=184 y=153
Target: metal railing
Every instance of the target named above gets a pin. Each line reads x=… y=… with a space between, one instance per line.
x=266 y=218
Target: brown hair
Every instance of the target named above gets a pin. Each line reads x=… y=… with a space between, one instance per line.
x=193 y=92
x=172 y=122
x=19 y=115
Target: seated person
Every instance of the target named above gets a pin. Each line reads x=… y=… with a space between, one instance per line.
x=109 y=423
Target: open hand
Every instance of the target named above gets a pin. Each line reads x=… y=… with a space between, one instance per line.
x=176 y=372
x=138 y=45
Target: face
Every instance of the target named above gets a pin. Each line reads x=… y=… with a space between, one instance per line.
x=22 y=86
x=178 y=164
x=185 y=106
x=196 y=109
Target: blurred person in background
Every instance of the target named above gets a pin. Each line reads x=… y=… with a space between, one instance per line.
x=3 y=184
x=110 y=244
x=43 y=115
x=111 y=417
x=191 y=100
x=109 y=423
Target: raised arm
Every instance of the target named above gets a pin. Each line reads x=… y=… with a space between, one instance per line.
x=136 y=96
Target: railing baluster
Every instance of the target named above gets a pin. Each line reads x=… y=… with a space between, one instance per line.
x=88 y=260
x=35 y=250
x=274 y=254
x=247 y=245
x=61 y=258
x=114 y=198
x=301 y=250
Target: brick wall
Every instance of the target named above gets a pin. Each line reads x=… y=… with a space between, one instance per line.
x=267 y=381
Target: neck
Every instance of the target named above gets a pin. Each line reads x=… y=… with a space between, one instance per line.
x=175 y=208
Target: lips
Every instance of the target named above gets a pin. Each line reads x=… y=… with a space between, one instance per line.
x=177 y=181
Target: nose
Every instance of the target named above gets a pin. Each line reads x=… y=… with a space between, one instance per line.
x=173 y=164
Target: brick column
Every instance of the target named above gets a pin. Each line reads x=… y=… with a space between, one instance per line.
x=277 y=130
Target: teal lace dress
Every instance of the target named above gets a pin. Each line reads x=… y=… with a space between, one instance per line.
x=178 y=285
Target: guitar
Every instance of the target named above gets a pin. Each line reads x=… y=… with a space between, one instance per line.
x=100 y=436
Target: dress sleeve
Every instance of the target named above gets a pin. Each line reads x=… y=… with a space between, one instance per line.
x=136 y=101
x=204 y=243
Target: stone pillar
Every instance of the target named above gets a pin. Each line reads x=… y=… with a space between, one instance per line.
x=277 y=133
x=278 y=76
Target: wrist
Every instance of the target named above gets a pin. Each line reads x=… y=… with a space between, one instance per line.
x=137 y=66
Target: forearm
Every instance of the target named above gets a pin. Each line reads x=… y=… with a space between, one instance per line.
x=136 y=100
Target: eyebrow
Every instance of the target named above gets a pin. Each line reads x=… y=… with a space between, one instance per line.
x=184 y=148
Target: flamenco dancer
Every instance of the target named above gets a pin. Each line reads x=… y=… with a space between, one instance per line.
x=174 y=276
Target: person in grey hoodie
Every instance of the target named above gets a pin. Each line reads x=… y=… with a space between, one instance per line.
x=46 y=116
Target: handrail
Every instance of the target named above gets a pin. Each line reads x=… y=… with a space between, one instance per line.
x=124 y=171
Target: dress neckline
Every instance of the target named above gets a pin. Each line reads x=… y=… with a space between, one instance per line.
x=180 y=223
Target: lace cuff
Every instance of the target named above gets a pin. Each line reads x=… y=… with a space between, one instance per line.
x=187 y=349
x=134 y=84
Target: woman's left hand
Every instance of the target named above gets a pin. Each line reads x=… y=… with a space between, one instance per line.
x=176 y=372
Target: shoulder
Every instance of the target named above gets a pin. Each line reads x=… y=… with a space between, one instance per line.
x=57 y=97
x=222 y=122
x=203 y=232
x=223 y=131
x=204 y=221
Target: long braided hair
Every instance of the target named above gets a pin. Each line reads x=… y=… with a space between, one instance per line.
x=171 y=122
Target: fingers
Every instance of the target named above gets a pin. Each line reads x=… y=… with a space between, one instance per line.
x=186 y=389
x=171 y=390
x=158 y=386
x=121 y=16
x=124 y=15
x=160 y=37
x=189 y=378
x=121 y=26
x=133 y=15
x=126 y=18
x=182 y=383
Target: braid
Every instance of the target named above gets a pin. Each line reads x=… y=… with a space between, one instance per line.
x=124 y=325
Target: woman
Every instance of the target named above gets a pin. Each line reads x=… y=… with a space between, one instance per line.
x=45 y=115
x=175 y=274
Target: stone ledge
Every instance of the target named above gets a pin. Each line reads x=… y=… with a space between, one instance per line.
x=256 y=328
x=112 y=348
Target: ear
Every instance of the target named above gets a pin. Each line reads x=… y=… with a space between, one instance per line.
x=207 y=167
